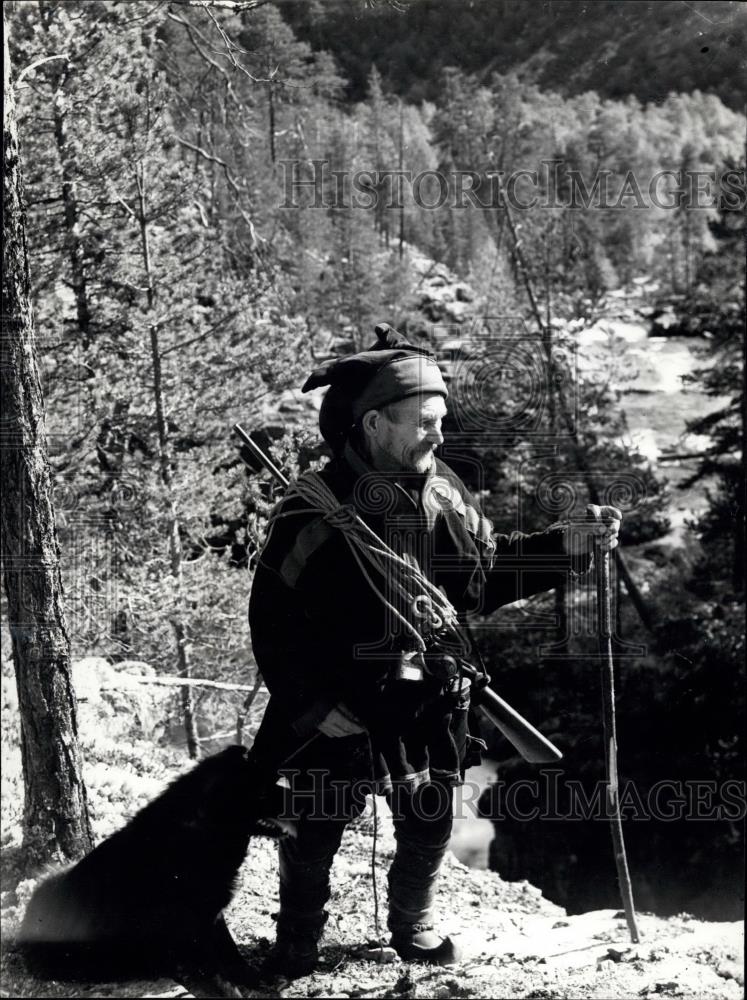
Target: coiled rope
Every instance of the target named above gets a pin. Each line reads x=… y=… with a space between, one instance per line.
x=408 y=586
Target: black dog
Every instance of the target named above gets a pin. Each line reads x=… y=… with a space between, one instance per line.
x=149 y=899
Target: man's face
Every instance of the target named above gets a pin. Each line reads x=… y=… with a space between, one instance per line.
x=403 y=438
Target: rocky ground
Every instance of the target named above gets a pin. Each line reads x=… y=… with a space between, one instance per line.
x=515 y=942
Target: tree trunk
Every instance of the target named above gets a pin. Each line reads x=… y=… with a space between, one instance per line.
x=164 y=453
x=740 y=541
x=175 y=553
x=75 y=251
x=271 y=119
x=69 y=198
x=561 y=604
x=56 y=825
x=401 y=194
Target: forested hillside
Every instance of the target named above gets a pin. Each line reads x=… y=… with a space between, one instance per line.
x=213 y=207
x=618 y=49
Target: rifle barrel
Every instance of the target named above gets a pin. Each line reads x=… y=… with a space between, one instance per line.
x=261 y=457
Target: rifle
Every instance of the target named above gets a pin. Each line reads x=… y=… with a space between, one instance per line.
x=531 y=744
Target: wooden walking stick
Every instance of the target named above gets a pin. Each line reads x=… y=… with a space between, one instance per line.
x=604 y=625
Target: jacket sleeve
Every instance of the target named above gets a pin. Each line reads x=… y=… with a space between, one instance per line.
x=492 y=569
x=525 y=564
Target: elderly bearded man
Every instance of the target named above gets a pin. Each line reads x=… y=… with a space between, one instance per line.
x=326 y=642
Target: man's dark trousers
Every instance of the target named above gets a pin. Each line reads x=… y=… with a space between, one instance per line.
x=422 y=827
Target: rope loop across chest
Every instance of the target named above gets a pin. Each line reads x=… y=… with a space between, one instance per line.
x=406 y=585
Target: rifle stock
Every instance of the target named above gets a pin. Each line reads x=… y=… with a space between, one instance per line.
x=531 y=744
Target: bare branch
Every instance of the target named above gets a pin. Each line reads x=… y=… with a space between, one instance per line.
x=212 y=159
x=231 y=47
x=235 y=6
x=400 y=5
x=202 y=213
x=256 y=240
x=127 y=680
x=34 y=65
x=191 y=31
x=201 y=336
x=204 y=44
x=124 y=204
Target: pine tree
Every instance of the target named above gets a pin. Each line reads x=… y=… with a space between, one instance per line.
x=56 y=825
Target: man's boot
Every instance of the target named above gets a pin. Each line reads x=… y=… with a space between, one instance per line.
x=412 y=887
x=420 y=943
x=296 y=951
x=304 y=865
x=422 y=827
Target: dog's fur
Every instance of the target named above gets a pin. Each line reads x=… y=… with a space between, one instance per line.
x=149 y=899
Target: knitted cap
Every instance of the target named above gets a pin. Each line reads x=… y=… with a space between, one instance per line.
x=389 y=371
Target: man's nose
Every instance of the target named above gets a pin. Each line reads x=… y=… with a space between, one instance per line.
x=435 y=437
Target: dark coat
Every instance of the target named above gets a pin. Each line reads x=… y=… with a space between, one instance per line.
x=320 y=634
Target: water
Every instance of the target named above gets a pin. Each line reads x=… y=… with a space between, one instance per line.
x=471 y=836
x=648 y=372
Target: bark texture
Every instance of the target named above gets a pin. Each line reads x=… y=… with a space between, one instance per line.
x=56 y=824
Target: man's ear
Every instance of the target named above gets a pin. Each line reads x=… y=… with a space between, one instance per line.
x=370 y=422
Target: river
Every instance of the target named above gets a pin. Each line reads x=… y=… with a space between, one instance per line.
x=648 y=373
